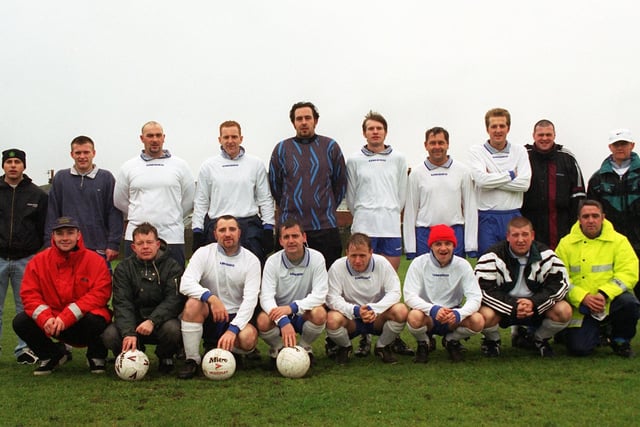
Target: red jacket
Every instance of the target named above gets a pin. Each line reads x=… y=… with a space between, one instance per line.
x=67 y=285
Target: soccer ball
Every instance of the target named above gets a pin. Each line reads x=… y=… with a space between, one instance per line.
x=218 y=364
x=293 y=362
x=132 y=365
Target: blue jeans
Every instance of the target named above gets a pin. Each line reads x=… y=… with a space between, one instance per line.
x=12 y=271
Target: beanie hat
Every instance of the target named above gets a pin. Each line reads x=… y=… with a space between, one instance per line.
x=14 y=153
x=442 y=232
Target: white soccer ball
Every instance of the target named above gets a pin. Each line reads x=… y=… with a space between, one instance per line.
x=293 y=362
x=132 y=365
x=218 y=364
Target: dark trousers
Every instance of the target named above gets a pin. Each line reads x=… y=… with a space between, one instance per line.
x=327 y=242
x=167 y=337
x=623 y=317
x=85 y=332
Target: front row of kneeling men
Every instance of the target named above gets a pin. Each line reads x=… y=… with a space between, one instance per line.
x=569 y=296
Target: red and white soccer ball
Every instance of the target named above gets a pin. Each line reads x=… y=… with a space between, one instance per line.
x=293 y=362
x=132 y=365
x=218 y=364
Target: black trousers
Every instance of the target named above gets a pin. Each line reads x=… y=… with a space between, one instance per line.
x=85 y=332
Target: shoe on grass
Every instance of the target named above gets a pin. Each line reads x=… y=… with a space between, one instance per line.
x=48 y=365
x=364 y=348
x=189 y=370
x=401 y=348
x=27 y=357
x=422 y=352
x=622 y=348
x=97 y=366
x=342 y=355
x=544 y=348
x=454 y=348
x=490 y=348
x=385 y=354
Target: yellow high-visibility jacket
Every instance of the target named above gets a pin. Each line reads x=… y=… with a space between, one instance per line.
x=606 y=264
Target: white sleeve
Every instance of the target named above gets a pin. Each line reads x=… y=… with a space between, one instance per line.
x=391 y=283
x=269 y=282
x=121 y=192
x=263 y=197
x=319 y=286
x=351 y=185
x=413 y=282
x=472 y=293
x=470 y=213
x=335 y=300
x=485 y=173
x=410 y=212
x=202 y=198
x=188 y=186
x=250 y=293
x=190 y=282
x=522 y=169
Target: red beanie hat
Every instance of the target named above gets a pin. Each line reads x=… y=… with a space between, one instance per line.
x=442 y=232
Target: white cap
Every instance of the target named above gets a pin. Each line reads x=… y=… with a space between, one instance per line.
x=620 y=135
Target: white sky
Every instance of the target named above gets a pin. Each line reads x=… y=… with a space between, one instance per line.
x=104 y=68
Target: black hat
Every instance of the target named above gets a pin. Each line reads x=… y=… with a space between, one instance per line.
x=14 y=153
x=65 y=222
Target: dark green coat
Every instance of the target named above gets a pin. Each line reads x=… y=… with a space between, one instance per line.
x=146 y=290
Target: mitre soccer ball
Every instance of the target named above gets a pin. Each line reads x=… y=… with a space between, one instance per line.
x=132 y=365
x=218 y=364
x=293 y=362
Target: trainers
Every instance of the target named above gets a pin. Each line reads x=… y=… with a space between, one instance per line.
x=490 y=348
x=455 y=349
x=523 y=339
x=96 y=366
x=27 y=357
x=544 y=348
x=342 y=355
x=241 y=361
x=166 y=366
x=400 y=347
x=330 y=348
x=364 y=348
x=48 y=365
x=312 y=359
x=622 y=349
x=422 y=353
x=189 y=370
x=385 y=354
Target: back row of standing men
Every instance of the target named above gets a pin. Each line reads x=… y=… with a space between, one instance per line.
x=308 y=180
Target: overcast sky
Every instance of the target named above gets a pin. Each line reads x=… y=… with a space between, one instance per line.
x=104 y=68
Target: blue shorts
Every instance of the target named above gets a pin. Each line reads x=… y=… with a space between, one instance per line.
x=422 y=237
x=363 y=328
x=492 y=227
x=390 y=246
x=441 y=329
x=212 y=331
x=297 y=322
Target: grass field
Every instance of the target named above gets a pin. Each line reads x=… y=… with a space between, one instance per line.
x=519 y=388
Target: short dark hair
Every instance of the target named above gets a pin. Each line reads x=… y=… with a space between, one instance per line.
x=589 y=202
x=290 y=223
x=226 y=218
x=79 y=140
x=357 y=239
x=303 y=104
x=544 y=123
x=434 y=131
x=376 y=117
x=519 y=222
x=145 y=228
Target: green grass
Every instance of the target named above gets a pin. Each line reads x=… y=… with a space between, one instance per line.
x=519 y=388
